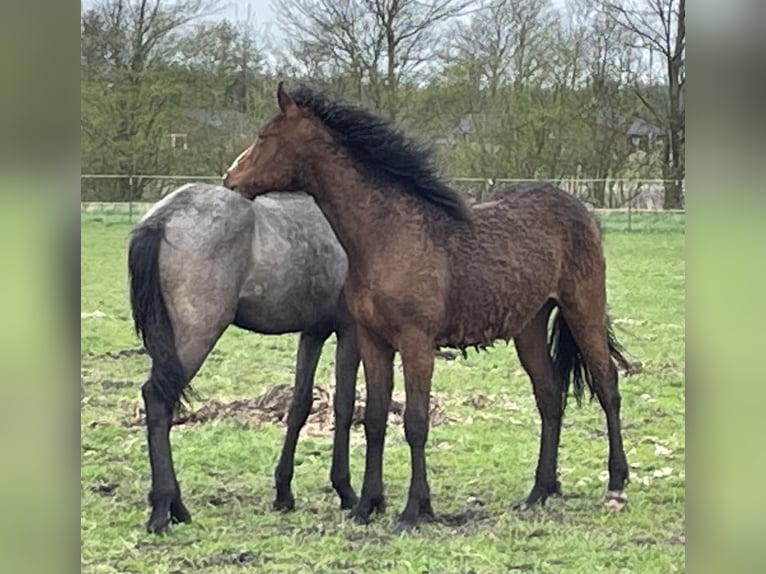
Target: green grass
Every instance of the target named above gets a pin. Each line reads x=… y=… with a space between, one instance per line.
x=484 y=453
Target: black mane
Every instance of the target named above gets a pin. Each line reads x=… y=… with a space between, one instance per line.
x=382 y=151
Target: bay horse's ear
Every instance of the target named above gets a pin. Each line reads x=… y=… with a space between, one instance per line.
x=286 y=103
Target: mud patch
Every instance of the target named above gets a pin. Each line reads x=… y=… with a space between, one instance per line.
x=116 y=355
x=274 y=404
x=520 y=567
x=446 y=355
x=107 y=384
x=678 y=539
x=225 y=558
x=672 y=370
x=630 y=367
x=458 y=519
x=104 y=488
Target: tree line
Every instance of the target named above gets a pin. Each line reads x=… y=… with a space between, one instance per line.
x=501 y=88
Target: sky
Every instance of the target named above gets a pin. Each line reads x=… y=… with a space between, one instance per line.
x=261 y=10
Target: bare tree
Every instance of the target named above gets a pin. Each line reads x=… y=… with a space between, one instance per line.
x=376 y=44
x=659 y=26
x=504 y=51
x=605 y=112
x=131 y=40
x=229 y=55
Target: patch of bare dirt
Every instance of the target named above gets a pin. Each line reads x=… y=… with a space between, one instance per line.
x=107 y=384
x=630 y=368
x=520 y=567
x=225 y=558
x=671 y=370
x=121 y=354
x=104 y=488
x=274 y=404
x=454 y=520
x=676 y=539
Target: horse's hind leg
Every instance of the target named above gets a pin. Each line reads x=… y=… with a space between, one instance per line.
x=546 y=383
x=309 y=350
x=165 y=494
x=346 y=368
x=589 y=330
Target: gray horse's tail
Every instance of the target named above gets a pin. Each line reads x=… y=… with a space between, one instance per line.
x=150 y=314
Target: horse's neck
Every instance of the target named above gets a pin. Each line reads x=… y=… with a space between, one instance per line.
x=355 y=209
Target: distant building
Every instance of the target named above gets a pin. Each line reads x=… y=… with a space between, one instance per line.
x=197 y=127
x=641 y=133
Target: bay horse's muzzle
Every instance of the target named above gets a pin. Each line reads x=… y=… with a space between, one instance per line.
x=226 y=182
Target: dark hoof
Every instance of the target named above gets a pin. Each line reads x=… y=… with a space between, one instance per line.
x=179 y=513
x=406 y=524
x=537 y=497
x=349 y=501
x=417 y=511
x=361 y=512
x=348 y=498
x=527 y=504
x=157 y=524
x=402 y=526
x=284 y=503
x=359 y=516
x=163 y=513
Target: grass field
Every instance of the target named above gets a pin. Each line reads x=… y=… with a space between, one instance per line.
x=481 y=458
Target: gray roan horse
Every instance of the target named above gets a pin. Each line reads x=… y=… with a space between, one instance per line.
x=204 y=258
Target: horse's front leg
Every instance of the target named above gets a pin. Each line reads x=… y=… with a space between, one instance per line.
x=416 y=349
x=378 y=360
x=346 y=367
x=309 y=350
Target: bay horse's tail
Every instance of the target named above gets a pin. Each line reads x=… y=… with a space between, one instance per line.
x=569 y=361
x=150 y=314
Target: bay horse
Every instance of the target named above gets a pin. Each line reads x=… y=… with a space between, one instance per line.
x=426 y=271
x=204 y=258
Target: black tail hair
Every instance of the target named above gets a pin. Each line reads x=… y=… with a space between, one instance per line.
x=569 y=361
x=150 y=315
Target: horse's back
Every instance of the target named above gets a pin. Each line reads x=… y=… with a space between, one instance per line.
x=525 y=242
x=298 y=267
x=202 y=219
x=539 y=216
x=272 y=265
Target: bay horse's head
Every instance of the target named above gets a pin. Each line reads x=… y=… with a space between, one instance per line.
x=273 y=160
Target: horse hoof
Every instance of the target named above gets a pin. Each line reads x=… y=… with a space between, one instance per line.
x=407 y=523
x=523 y=506
x=284 y=504
x=538 y=496
x=157 y=525
x=358 y=516
x=403 y=526
x=179 y=513
x=348 y=502
x=365 y=507
x=615 y=500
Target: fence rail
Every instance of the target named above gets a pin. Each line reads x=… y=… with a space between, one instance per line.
x=129 y=196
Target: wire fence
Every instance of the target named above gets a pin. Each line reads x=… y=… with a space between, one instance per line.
x=629 y=204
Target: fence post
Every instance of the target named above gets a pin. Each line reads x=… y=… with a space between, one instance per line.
x=630 y=211
x=130 y=200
